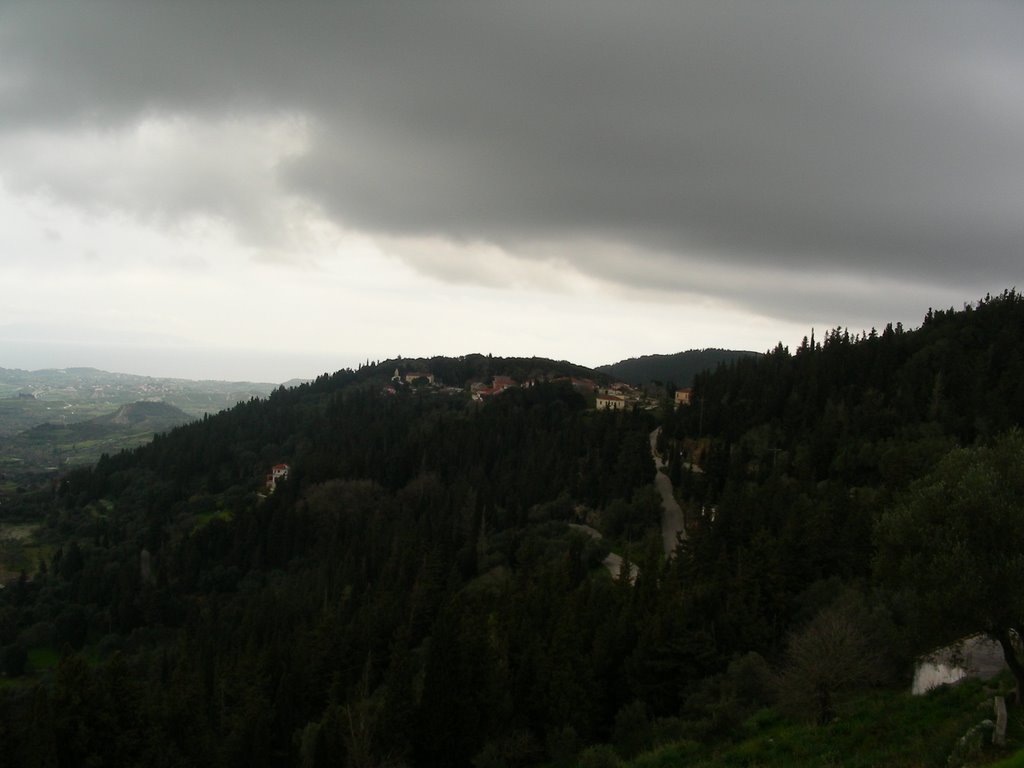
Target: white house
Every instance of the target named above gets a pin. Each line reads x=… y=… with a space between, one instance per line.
x=610 y=403
x=277 y=472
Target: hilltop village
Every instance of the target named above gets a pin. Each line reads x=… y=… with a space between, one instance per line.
x=613 y=396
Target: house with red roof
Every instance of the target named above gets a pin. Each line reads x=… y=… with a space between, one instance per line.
x=479 y=390
x=277 y=472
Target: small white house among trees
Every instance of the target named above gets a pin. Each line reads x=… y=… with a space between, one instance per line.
x=277 y=472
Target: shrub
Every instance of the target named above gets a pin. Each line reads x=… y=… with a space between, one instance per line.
x=599 y=756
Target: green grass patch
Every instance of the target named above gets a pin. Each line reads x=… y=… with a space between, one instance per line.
x=1016 y=761
x=892 y=729
x=205 y=518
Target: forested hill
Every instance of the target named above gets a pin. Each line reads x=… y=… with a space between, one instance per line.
x=415 y=573
x=801 y=454
x=679 y=369
x=349 y=425
x=960 y=375
x=413 y=593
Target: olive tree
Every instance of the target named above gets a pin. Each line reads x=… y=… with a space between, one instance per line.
x=953 y=548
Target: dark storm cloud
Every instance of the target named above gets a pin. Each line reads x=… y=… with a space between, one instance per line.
x=810 y=138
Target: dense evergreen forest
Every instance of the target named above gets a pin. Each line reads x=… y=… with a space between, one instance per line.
x=413 y=593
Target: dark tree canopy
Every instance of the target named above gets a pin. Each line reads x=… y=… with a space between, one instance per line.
x=954 y=546
x=414 y=592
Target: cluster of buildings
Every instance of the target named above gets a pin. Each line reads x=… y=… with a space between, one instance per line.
x=411 y=377
x=618 y=397
x=414 y=377
x=479 y=390
x=614 y=397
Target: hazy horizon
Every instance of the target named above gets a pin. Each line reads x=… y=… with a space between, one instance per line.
x=240 y=365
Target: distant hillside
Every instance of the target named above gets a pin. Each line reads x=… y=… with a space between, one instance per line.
x=130 y=419
x=680 y=368
x=47 y=446
x=92 y=384
x=150 y=416
x=67 y=395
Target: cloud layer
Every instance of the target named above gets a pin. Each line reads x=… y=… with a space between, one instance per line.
x=790 y=157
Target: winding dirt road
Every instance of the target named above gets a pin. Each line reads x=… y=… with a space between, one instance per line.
x=672 y=522
x=673 y=525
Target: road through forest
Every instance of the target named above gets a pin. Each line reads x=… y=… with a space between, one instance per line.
x=672 y=522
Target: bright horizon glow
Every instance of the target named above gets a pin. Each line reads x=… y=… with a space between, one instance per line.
x=201 y=305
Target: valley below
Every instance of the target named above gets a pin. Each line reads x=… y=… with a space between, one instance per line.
x=51 y=420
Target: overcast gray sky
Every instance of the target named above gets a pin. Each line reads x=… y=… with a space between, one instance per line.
x=268 y=190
